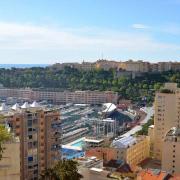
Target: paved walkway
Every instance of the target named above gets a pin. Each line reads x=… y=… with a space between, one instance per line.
x=149 y=111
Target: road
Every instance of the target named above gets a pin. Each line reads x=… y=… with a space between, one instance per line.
x=149 y=111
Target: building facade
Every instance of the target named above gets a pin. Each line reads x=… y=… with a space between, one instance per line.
x=39 y=131
x=10 y=161
x=129 y=149
x=76 y=97
x=171 y=153
x=167 y=115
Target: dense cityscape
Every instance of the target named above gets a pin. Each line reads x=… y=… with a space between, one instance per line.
x=106 y=134
x=89 y=90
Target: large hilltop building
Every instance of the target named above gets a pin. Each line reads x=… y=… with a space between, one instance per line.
x=129 y=66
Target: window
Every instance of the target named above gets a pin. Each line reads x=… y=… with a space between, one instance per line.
x=30 y=129
x=35 y=143
x=30 y=158
x=35 y=171
x=29 y=122
x=17 y=126
x=29 y=145
x=35 y=121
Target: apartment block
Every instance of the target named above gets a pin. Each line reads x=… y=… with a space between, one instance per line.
x=86 y=66
x=10 y=161
x=167 y=115
x=77 y=97
x=164 y=66
x=131 y=150
x=171 y=151
x=106 y=65
x=130 y=65
x=139 y=151
x=135 y=66
x=39 y=131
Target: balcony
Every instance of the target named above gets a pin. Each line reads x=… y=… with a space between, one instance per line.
x=167 y=91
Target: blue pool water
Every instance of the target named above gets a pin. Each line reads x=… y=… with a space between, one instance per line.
x=78 y=144
x=71 y=154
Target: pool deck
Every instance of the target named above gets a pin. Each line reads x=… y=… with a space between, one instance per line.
x=70 y=145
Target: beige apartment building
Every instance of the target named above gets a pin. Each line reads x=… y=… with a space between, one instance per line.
x=135 y=66
x=151 y=139
x=138 y=151
x=106 y=64
x=76 y=97
x=10 y=162
x=86 y=66
x=175 y=66
x=171 y=151
x=130 y=65
x=39 y=131
x=166 y=115
x=164 y=66
x=131 y=150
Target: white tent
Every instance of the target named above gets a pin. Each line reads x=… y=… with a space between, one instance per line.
x=25 y=105
x=15 y=106
x=3 y=107
x=34 y=104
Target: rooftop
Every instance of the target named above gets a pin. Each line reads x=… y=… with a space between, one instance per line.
x=124 y=142
x=109 y=107
x=154 y=174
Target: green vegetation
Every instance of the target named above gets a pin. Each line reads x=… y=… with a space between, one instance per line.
x=97 y=79
x=144 y=130
x=4 y=136
x=63 y=170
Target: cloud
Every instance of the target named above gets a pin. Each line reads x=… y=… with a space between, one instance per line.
x=140 y=26
x=54 y=42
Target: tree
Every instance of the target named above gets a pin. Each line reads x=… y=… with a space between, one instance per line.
x=4 y=136
x=144 y=130
x=63 y=170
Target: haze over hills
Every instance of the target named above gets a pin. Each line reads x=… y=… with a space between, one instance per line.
x=43 y=32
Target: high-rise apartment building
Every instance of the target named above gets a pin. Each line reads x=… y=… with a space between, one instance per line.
x=171 y=151
x=39 y=131
x=167 y=115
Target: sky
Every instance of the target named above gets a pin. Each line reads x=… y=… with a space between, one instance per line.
x=50 y=31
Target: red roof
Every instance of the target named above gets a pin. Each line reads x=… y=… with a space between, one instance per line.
x=153 y=174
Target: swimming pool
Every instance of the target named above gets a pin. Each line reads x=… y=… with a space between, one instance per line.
x=79 y=144
x=71 y=154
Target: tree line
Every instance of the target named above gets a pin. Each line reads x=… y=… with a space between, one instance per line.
x=97 y=79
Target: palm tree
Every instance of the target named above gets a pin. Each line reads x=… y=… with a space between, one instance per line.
x=63 y=170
